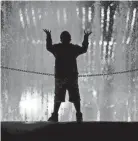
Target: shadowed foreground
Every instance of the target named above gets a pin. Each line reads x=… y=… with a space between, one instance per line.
x=96 y=131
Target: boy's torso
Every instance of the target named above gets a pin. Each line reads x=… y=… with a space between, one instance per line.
x=65 y=61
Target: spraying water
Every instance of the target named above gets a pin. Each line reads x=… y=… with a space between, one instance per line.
x=112 y=48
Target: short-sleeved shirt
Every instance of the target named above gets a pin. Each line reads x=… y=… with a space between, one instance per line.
x=65 y=59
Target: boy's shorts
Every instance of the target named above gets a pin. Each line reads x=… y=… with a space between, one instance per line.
x=63 y=84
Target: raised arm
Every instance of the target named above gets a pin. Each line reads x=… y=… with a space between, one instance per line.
x=49 y=46
x=85 y=43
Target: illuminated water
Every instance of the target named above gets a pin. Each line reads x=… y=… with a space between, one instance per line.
x=112 y=48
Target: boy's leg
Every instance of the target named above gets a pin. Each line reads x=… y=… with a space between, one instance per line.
x=77 y=106
x=74 y=97
x=56 y=107
x=54 y=116
x=60 y=90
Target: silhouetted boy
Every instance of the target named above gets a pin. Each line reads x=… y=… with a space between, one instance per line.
x=66 y=72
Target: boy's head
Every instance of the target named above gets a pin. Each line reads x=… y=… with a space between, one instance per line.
x=65 y=37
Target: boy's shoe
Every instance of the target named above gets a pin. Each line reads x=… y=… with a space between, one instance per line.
x=79 y=117
x=53 y=118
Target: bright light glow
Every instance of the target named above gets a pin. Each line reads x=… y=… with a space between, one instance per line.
x=128 y=40
x=21 y=18
x=30 y=105
x=111 y=4
x=108 y=18
x=102 y=17
x=89 y=14
x=111 y=46
x=83 y=18
x=100 y=42
x=133 y=19
x=98 y=116
x=102 y=12
x=127 y=18
x=83 y=10
x=50 y=103
x=94 y=93
x=65 y=15
x=35 y=108
x=105 y=43
x=27 y=17
x=111 y=43
x=109 y=49
x=38 y=41
x=94 y=43
x=77 y=10
x=58 y=16
x=127 y=103
x=90 y=41
x=129 y=118
x=115 y=15
x=39 y=11
x=40 y=17
x=104 y=47
x=33 y=14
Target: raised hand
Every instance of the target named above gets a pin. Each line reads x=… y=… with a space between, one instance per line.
x=86 y=33
x=48 y=32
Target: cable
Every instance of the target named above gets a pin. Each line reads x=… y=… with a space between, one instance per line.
x=83 y=75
